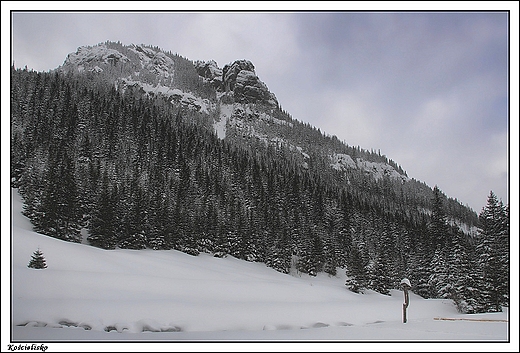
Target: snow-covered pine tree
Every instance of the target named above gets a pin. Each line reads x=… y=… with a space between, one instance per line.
x=380 y=279
x=438 y=227
x=464 y=276
x=103 y=224
x=419 y=273
x=356 y=271
x=37 y=261
x=493 y=255
x=438 y=281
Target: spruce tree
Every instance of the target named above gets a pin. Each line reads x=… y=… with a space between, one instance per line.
x=419 y=273
x=37 y=260
x=356 y=271
x=493 y=256
x=438 y=227
x=59 y=213
x=103 y=222
x=380 y=279
x=505 y=250
x=464 y=277
x=438 y=281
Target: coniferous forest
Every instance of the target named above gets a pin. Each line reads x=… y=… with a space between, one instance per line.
x=122 y=169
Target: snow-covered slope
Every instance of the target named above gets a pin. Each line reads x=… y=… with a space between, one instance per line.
x=88 y=293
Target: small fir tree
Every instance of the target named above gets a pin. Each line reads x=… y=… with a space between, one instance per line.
x=37 y=260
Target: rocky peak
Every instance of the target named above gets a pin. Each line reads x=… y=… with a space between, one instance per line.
x=210 y=71
x=231 y=71
x=93 y=58
x=240 y=77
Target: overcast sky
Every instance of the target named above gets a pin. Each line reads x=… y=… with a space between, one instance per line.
x=427 y=89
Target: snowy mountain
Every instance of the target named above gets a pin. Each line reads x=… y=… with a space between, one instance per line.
x=133 y=147
x=242 y=103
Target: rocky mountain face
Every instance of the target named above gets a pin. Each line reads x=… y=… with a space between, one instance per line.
x=240 y=108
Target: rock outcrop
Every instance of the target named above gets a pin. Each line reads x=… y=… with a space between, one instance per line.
x=89 y=58
x=210 y=71
x=240 y=78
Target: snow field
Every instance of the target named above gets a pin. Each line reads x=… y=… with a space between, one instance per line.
x=88 y=293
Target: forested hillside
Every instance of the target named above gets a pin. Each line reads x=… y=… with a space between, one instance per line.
x=100 y=154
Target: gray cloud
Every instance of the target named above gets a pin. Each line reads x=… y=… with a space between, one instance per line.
x=428 y=89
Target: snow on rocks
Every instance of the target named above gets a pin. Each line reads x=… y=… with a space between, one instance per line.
x=144 y=325
x=226 y=111
x=379 y=170
x=209 y=71
x=176 y=95
x=88 y=58
x=155 y=61
x=341 y=162
x=231 y=71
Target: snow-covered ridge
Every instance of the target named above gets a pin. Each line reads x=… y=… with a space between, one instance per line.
x=341 y=162
x=96 y=54
x=249 y=111
x=93 y=58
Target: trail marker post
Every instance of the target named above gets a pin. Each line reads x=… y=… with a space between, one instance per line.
x=405 y=284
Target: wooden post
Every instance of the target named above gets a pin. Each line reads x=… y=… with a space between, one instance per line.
x=405 y=284
x=405 y=304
